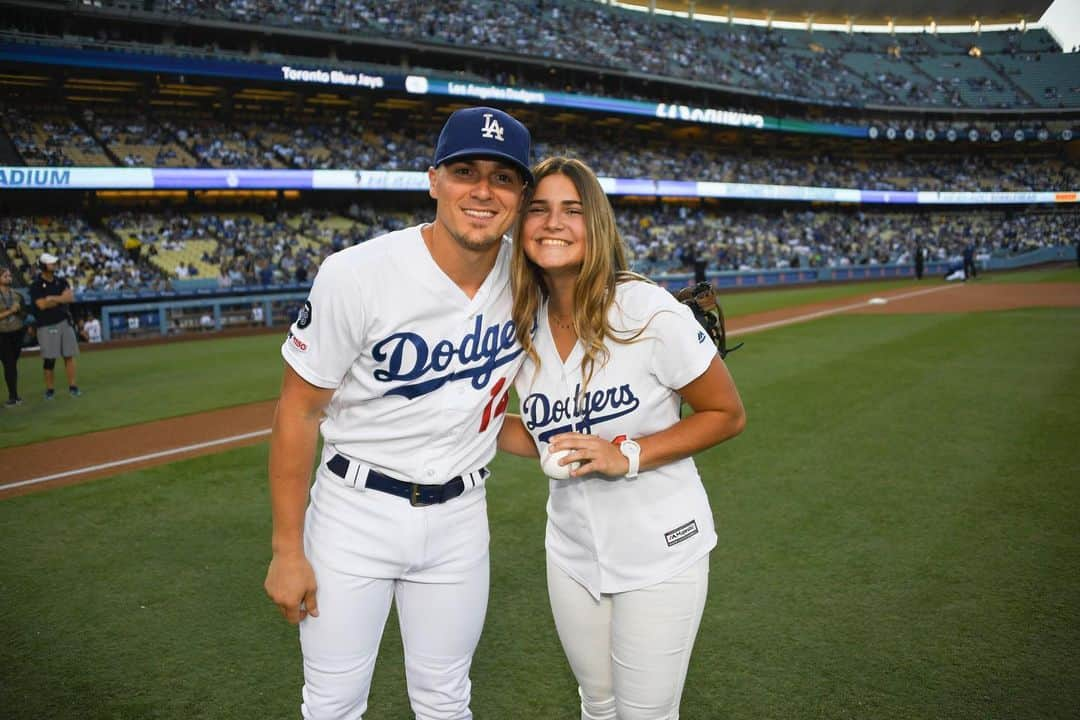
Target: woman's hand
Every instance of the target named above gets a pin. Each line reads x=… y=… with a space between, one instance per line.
x=595 y=454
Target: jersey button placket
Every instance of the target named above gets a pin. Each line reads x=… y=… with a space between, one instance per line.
x=571 y=379
x=439 y=449
x=458 y=390
x=451 y=420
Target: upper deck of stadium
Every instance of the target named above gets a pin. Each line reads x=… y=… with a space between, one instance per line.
x=1016 y=69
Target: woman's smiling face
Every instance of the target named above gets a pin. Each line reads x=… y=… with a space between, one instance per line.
x=554 y=232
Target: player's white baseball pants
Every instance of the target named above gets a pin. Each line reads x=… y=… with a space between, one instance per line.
x=630 y=651
x=368 y=547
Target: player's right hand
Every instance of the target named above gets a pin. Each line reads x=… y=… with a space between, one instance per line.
x=290 y=583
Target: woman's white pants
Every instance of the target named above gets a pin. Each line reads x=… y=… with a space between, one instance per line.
x=630 y=651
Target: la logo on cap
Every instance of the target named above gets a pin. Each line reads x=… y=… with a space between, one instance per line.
x=492 y=128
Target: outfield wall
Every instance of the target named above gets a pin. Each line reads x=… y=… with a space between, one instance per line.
x=195 y=315
x=797 y=276
x=1058 y=253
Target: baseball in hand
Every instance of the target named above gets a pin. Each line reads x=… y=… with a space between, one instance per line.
x=549 y=463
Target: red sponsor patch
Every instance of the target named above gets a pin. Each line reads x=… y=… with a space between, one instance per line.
x=298 y=343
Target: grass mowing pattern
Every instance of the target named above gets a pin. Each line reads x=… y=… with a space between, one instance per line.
x=125 y=386
x=745 y=303
x=898 y=539
x=902 y=546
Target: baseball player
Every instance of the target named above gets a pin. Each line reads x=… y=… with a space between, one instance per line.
x=629 y=525
x=403 y=357
x=52 y=297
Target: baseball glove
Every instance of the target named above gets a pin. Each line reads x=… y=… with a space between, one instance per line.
x=703 y=300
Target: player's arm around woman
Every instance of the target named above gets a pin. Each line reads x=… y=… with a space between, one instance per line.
x=515 y=439
x=290 y=580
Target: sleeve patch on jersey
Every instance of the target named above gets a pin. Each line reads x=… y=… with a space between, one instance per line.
x=297 y=343
x=303 y=318
x=701 y=337
x=683 y=532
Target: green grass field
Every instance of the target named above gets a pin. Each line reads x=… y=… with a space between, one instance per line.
x=126 y=386
x=899 y=538
x=1061 y=273
x=738 y=303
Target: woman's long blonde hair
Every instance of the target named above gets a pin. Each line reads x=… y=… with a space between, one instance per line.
x=604 y=267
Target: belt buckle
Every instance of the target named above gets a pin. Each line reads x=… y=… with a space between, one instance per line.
x=414 y=496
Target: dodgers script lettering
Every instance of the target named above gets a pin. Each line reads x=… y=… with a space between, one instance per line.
x=408 y=356
x=580 y=412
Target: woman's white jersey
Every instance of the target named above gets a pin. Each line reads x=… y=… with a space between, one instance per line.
x=618 y=534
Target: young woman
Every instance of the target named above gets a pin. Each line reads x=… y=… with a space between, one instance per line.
x=610 y=359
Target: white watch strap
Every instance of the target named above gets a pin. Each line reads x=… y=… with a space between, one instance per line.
x=632 y=456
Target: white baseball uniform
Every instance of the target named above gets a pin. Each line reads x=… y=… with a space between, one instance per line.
x=421 y=375
x=622 y=552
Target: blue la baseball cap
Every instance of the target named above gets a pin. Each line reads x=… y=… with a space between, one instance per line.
x=485 y=132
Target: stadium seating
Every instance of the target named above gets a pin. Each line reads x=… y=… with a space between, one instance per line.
x=742 y=56
x=89 y=259
x=1052 y=80
x=260 y=242
x=253 y=249
x=218 y=145
x=49 y=136
x=136 y=140
x=345 y=141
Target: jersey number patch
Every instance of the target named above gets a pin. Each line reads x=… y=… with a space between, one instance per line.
x=499 y=408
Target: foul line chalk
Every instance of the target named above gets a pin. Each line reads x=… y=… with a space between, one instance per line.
x=832 y=311
x=136 y=459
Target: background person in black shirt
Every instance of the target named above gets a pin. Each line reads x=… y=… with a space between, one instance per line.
x=969 y=261
x=11 y=335
x=51 y=296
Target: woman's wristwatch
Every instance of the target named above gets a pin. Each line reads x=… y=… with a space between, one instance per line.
x=632 y=451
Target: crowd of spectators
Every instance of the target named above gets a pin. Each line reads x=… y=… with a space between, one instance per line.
x=341 y=141
x=244 y=248
x=277 y=247
x=25 y=137
x=597 y=34
x=136 y=140
x=88 y=260
x=250 y=249
x=667 y=238
x=941 y=172
x=215 y=144
x=346 y=142
x=49 y=137
x=263 y=251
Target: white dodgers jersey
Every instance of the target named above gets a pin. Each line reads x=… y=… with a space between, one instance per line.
x=421 y=373
x=618 y=534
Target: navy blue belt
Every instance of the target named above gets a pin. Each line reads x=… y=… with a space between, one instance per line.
x=417 y=495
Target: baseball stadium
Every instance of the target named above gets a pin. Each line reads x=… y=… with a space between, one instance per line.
x=882 y=201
